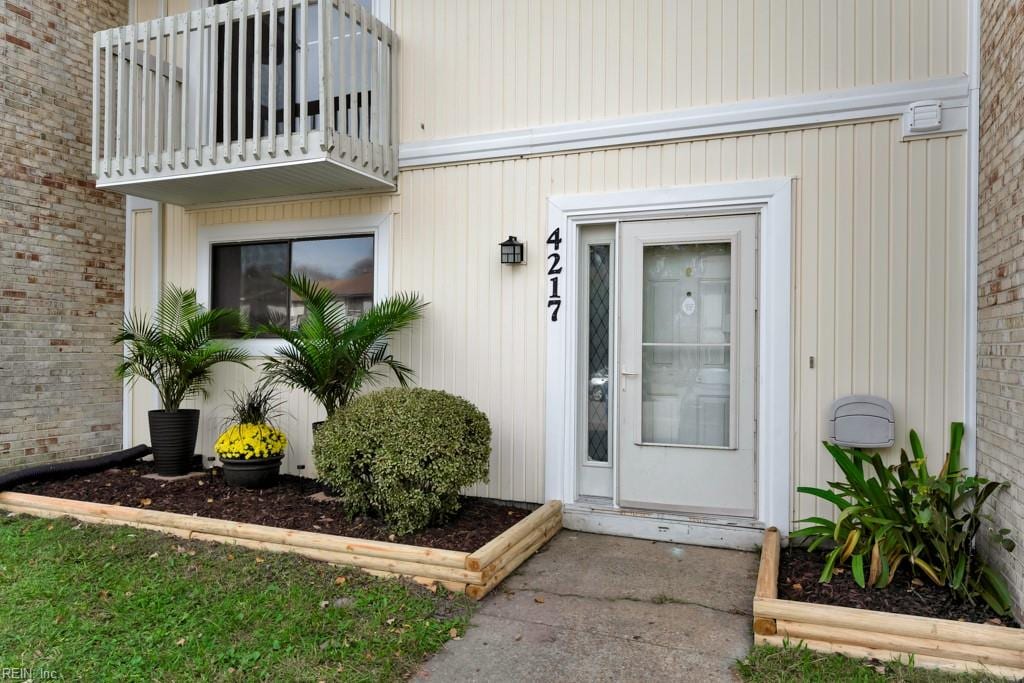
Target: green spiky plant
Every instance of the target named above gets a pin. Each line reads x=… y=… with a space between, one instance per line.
x=905 y=515
x=175 y=348
x=331 y=354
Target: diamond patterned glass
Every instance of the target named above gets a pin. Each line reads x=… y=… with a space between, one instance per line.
x=598 y=339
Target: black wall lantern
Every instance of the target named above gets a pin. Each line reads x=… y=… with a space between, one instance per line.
x=512 y=251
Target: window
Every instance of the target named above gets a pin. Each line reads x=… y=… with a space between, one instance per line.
x=245 y=275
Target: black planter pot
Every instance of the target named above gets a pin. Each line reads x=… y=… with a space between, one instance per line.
x=258 y=473
x=173 y=434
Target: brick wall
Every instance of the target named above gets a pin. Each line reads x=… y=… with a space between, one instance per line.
x=1001 y=272
x=61 y=240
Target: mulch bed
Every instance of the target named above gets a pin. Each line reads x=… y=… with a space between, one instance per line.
x=798 y=580
x=287 y=505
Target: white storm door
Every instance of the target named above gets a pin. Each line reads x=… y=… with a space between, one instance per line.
x=688 y=365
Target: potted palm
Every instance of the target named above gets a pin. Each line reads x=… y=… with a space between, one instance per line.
x=174 y=349
x=332 y=354
x=252 y=447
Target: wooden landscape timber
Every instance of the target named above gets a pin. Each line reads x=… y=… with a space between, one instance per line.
x=924 y=641
x=475 y=574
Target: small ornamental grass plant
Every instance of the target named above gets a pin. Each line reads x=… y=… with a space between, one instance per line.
x=403 y=455
x=250 y=432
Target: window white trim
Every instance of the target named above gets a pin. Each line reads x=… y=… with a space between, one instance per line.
x=875 y=102
x=378 y=225
x=772 y=200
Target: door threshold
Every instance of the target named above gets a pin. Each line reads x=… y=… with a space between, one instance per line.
x=714 y=532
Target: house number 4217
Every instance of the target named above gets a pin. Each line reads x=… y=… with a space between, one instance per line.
x=554 y=273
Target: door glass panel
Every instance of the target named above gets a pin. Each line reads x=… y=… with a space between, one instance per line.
x=598 y=338
x=686 y=365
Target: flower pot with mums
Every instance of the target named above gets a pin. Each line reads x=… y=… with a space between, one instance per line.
x=251 y=448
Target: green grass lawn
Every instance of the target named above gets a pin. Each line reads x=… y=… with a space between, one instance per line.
x=102 y=603
x=766 y=664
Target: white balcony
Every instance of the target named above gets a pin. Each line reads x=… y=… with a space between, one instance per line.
x=226 y=103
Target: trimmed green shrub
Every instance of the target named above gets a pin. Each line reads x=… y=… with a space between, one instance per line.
x=403 y=455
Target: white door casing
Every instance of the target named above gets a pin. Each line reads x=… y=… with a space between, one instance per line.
x=771 y=201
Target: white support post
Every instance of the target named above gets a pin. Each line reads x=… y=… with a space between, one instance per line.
x=227 y=75
x=323 y=45
x=172 y=84
x=243 y=31
x=211 y=113
x=186 y=66
x=257 y=85
x=119 y=140
x=96 y=103
x=350 y=71
x=286 y=104
x=364 y=42
x=200 y=76
x=272 y=79
x=108 y=107
x=303 y=98
x=158 y=127
x=132 y=67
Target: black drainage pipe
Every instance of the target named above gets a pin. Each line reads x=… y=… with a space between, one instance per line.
x=63 y=469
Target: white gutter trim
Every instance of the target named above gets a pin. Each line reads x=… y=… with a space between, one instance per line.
x=854 y=104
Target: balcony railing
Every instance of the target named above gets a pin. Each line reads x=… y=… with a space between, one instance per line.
x=252 y=98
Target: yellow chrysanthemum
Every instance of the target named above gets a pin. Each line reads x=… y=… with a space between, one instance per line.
x=249 y=441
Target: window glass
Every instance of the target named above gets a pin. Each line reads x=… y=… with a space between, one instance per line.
x=343 y=265
x=687 y=324
x=246 y=276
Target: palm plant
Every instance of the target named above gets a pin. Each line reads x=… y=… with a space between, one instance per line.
x=175 y=349
x=332 y=354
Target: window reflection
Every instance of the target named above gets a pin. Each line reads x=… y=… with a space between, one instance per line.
x=247 y=276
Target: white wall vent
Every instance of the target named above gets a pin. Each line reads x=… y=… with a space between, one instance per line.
x=922 y=117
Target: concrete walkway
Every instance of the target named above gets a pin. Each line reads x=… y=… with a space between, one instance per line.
x=602 y=608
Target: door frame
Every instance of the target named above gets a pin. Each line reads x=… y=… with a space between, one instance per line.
x=772 y=201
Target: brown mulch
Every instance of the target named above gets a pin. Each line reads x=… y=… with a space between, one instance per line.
x=798 y=580
x=287 y=505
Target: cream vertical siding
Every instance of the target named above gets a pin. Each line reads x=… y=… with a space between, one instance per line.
x=143 y=290
x=879 y=297
x=470 y=67
x=879 y=294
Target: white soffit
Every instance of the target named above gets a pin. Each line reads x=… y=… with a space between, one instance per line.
x=855 y=104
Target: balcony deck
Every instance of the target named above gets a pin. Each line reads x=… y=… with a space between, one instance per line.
x=224 y=103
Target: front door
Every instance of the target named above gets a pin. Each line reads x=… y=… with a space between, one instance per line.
x=687 y=369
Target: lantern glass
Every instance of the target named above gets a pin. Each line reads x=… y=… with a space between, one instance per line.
x=511 y=251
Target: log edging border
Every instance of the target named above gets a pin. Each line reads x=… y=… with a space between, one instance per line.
x=474 y=574
x=924 y=641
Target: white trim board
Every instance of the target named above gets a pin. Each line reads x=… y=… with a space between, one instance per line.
x=133 y=205
x=971 y=241
x=772 y=200
x=379 y=225
x=853 y=104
